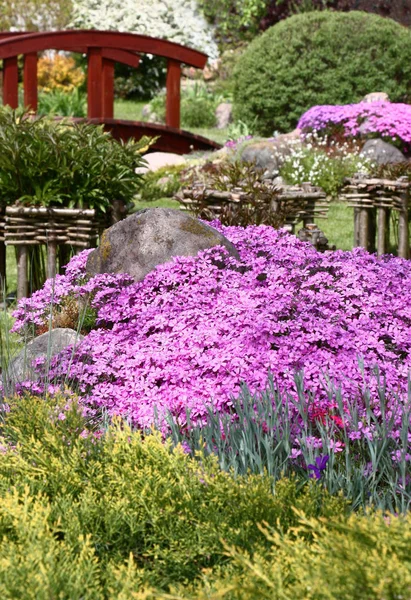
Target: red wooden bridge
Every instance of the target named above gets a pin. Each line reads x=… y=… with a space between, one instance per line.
x=103 y=50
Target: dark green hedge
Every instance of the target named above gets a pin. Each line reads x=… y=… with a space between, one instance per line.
x=320 y=58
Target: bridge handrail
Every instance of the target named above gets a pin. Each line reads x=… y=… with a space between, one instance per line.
x=103 y=48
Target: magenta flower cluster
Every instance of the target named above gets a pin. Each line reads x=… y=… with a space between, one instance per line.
x=194 y=329
x=391 y=121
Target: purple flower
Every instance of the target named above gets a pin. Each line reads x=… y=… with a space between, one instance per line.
x=389 y=120
x=319 y=467
x=191 y=333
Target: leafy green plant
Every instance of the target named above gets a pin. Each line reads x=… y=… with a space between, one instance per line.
x=319 y=167
x=63 y=103
x=369 y=471
x=198 y=106
x=350 y=559
x=163 y=183
x=48 y=163
x=318 y=58
x=234 y=20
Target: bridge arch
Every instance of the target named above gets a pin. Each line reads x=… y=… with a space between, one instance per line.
x=103 y=49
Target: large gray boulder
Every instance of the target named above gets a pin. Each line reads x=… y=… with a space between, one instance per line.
x=152 y=237
x=268 y=155
x=48 y=344
x=382 y=152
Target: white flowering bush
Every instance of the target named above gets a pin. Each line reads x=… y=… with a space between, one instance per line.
x=324 y=163
x=179 y=21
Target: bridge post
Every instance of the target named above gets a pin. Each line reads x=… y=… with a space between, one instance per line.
x=173 y=93
x=94 y=83
x=30 y=80
x=10 y=82
x=108 y=89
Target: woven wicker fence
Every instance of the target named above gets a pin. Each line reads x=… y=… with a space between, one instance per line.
x=25 y=227
x=373 y=201
x=298 y=203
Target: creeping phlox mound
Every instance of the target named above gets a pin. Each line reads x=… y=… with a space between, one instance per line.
x=193 y=330
x=391 y=121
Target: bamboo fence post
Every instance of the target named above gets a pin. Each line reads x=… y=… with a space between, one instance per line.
x=381 y=230
x=357 y=216
x=403 y=234
x=372 y=229
x=364 y=227
x=22 y=283
x=51 y=259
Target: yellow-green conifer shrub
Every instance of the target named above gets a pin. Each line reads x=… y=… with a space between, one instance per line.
x=81 y=505
x=362 y=557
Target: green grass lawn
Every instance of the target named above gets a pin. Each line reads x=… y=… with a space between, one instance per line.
x=339 y=226
x=128 y=109
x=131 y=110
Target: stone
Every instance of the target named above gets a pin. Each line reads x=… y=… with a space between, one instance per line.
x=148 y=115
x=376 y=97
x=268 y=155
x=382 y=152
x=224 y=114
x=157 y=160
x=48 y=344
x=151 y=237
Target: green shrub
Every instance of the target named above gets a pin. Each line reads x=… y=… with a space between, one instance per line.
x=320 y=58
x=362 y=557
x=163 y=183
x=64 y=103
x=49 y=163
x=198 y=106
x=320 y=168
x=77 y=504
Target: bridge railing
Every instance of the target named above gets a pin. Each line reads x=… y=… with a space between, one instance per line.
x=103 y=49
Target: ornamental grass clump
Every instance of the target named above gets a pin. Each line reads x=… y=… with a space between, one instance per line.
x=197 y=328
x=360 y=451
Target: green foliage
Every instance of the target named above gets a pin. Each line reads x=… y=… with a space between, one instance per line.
x=34 y=15
x=163 y=183
x=261 y=441
x=142 y=83
x=349 y=559
x=63 y=103
x=198 y=106
x=88 y=514
x=234 y=20
x=320 y=57
x=49 y=163
x=320 y=168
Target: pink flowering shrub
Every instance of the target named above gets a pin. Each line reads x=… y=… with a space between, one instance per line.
x=390 y=121
x=194 y=329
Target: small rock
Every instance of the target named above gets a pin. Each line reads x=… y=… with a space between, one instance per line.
x=157 y=160
x=224 y=114
x=46 y=345
x=376 y=97
x=311 y=233
x=382 y=152
x=152 y=237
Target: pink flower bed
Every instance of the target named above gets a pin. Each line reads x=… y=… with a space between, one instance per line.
x=193 y=330
x=391 y=121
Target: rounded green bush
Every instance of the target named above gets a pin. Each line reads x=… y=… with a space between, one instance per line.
x=320 y=58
